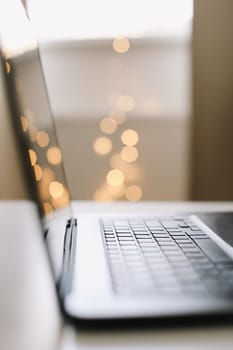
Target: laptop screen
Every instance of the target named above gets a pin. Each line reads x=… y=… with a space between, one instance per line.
x=30 y=109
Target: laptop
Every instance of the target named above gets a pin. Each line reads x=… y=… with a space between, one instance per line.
x=113 y=267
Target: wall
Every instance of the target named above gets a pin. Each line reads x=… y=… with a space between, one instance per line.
x=213 y=100
x=84 y=81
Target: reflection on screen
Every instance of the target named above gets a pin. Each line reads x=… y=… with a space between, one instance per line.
x=30 y=108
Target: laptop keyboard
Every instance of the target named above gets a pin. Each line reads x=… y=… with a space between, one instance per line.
x=165 y=255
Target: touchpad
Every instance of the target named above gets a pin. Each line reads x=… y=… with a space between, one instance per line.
x=219 y=223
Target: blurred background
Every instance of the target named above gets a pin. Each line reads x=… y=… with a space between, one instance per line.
x=142 y=95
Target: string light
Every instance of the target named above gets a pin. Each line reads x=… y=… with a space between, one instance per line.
x=116 y=191
x=133 y=193
x=129 y=137
x=102 y=145
x=54 y=155
x=38 y=172
x=121 y=45
x=62 y=200
x=24 y=123
x=56 y=189
x=129 y=154
x=8 y=67
x=32 y=156
x=42 y=138
x=115 y=177
x=108 y=125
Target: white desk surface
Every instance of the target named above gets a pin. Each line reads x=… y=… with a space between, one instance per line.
x=29 y=314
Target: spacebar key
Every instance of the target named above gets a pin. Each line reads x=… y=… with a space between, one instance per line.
x=212 y=250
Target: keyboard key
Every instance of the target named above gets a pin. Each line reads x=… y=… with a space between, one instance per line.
x=169 y=224
x=146 y=257
x=143 y=236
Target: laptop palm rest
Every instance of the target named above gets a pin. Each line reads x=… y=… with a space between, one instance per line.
x=220 y=223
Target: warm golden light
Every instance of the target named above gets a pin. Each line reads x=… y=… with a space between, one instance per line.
x=102 y=195
x=32 y=132
x=132 y=171
x=133 y=193
x=121 y=45
x=115 y=177
x=125 y=103
x=47 y=208
x=102 y=145
x=54 y=155
x=24 y=123
x=61 y=201
x=129 y=154
x=42 y=138
x=32 y=156
x=38 y=172
x=8 y=67
x=129 y=137
x=43 y=190
x=56 y=189
x=116 y=191
x=48 y=175
x=108 y=125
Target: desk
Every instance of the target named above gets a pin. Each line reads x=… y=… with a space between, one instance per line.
x=29 y=313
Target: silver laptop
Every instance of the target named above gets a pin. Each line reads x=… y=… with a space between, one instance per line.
x=112 y=267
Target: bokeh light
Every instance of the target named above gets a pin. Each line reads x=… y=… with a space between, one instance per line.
x=129 y=137
x=54 y=155
x=108 y=125
x=121 y=45
x=62 y=200
x=24 y=123
x=38 y=172
x=116 y=191
x=133 y=193
x=56 y=189
x=8 y=67
x=42 y=138
x=125 y=103
x=32 y=156
x=129 y=154
x=115 y=177
x=102 y=145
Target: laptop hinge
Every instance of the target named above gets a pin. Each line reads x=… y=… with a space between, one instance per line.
x=64 y=284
